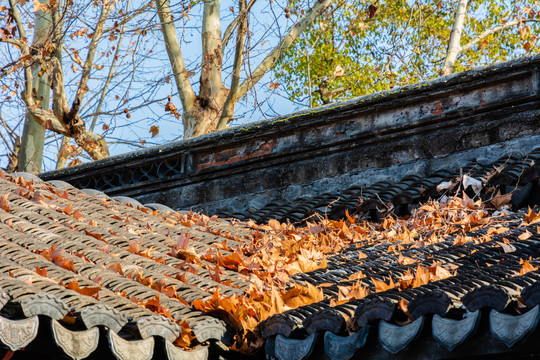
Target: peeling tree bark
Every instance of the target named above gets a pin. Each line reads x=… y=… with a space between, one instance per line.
x=455 y=38
x=209 y=103
x=33 y=137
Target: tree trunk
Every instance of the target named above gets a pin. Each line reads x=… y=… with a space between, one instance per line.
x=209 y=104
x=205 y=115
x=32 y=142
x=454 y=47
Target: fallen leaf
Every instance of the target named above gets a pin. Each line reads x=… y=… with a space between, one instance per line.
x=531 y=218
x=507 y=248
x=92 y=291
x=41 y=271
x=527 y=234
x=527 y=267
x=381 y=286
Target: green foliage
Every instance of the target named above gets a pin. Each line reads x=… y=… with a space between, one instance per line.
x=359 y=47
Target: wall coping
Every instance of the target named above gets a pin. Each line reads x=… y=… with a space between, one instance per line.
x=301 y=119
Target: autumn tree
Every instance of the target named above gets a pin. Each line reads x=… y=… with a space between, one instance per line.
x=63 y=60
x=41 y=63
x=213 y=107
x=359 y=47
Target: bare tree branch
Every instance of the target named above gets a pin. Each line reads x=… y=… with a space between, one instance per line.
x=105 y=10
x=25 y=51
x=127 y=19
x=228 y=107
x=110 y=74
x=8 y=69
x=318 y=8
x=232 y=26
x=494 y=30
x=185 y=91
x=455 y=38
x=15 y=42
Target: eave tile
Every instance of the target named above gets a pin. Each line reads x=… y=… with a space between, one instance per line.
x=450 y=333
x=344 y=347
x=511 y=329
x=396 y=338
x=76 y=344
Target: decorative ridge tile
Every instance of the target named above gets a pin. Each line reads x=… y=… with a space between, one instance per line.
x=131 y=350
x=344 y=347
x=328 y=320
x=451 y=333
x=490 y=296
x=433 y=302
x=44 y=304
x=101 y=314
x=209 y=329
x=156 y=325
x=16 y=334
x=374 y=309
x=510 y=329
x=294 y=349
x=396 y=338
x=175 y=353
x=76 y=344
x=277 y=324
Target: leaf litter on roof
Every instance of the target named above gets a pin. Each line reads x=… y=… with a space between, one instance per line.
x=269 y=258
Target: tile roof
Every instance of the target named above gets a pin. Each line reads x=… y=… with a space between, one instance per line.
x=452 y=278
x=509 y=174
x=53 y=240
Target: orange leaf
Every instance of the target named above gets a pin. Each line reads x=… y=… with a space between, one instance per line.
x=527 y=234
x=382 y=286
x=42 y=271
x=86 y=290
x=422 y=276
x=186 y=336
x=134 y=248
x=274 y=224
x=155 y=306
x=222 y=245
x=154 y=130
x=117 y=268
x=402 y=305
x=183 y=241
x=147 y=253
x=77 y=215
x=214 y=276
x=4 y=204
x=404 y=260
x=527 y=267
x=531 y=218
x=356 y=276
x=182 y=277
x=68 y=209
x=351 y=219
